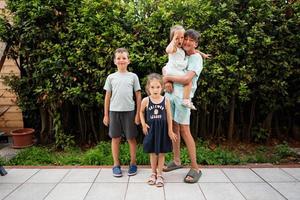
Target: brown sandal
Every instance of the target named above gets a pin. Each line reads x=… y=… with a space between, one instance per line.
x=159 y=181
x=152 y=179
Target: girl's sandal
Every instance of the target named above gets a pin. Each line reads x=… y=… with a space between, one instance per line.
x=152 y=179
x=159 y=181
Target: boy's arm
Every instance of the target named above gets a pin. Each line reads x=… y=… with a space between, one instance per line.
x=171 y=134
x=106 y=108
x=204 y=55
x=167 y=85
x=185 y=79
x=138 y=99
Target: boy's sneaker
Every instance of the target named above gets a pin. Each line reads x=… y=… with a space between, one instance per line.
x=132 y=170
x=188 y=104
x=117 y=172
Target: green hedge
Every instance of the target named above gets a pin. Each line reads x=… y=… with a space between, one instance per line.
x=249 y=90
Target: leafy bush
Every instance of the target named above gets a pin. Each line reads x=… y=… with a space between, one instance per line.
x=2 y=162
x=66 y=49
x=283 y=150
x=100 y=155
x=33 y=156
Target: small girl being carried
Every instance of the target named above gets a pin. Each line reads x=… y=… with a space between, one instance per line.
x=157 y=127
x=177 y=62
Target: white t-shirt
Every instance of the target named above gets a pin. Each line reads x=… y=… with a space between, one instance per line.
x=177 y=63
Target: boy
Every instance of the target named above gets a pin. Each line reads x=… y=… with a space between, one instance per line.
x=119 y=108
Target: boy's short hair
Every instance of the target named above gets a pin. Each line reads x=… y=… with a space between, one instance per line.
x=195 y=35
x=175 y=28
x=121 y=50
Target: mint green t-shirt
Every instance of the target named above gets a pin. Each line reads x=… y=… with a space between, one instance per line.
x=195 y=64
x=122 y=86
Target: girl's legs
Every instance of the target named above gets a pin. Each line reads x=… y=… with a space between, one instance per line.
x=186 y=96
x=115 y=146
x=187 y=90
x=132 y=149
x=161 y=161
x=160 y=164
x=153 y=162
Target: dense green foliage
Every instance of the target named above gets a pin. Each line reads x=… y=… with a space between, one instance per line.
x=101 y=155
x=248 y=90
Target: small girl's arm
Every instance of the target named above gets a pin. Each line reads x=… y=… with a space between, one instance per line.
x=142 y=115
x=171 y=48
x=172 y=135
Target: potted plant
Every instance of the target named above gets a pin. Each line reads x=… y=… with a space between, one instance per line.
x=22 y=137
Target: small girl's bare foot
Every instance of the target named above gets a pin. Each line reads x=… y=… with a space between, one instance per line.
x=187 y=103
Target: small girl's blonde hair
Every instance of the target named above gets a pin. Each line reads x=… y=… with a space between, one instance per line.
x=151 y=77
x=175 y=28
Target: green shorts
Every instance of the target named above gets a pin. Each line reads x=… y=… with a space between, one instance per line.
x=180 y=113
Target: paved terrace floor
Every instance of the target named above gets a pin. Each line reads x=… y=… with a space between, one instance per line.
x=91 y=183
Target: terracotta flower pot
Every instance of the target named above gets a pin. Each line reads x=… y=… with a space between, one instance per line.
x=22 y=138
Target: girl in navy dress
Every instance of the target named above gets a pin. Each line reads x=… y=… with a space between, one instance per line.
x=157 y=127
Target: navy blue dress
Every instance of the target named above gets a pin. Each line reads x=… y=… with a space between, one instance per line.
x=157 y=140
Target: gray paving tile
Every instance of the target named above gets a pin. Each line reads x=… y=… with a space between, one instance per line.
x=17 y=175
x=175 y=176
x=258 y=191
x=6 y=188
x=295 y=172
x=69 y=191
x=242 y=175
x=179 y=191
x=138 y=191
x=81 y=175
x=273 y=175
x=217 y=191
x=48 y=176
x=31 y=191
x=141 y=176
x=107 y=191
x=290 y=190
x=105 y=175
x=213 y=176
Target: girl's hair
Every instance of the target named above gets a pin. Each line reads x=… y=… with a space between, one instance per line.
x=121 y=50
x=151 y=77
x=174 y=29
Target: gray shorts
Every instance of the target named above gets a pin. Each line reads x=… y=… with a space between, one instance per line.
x=122 y=123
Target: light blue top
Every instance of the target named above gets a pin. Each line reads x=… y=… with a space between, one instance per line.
x=122 y=85
x=195 y=64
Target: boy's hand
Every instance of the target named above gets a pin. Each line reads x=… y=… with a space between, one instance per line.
x=173 y=136
x=137 y=119
x=106 y=120
x=145 y=128
x=169 y=87
x=207 y=56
